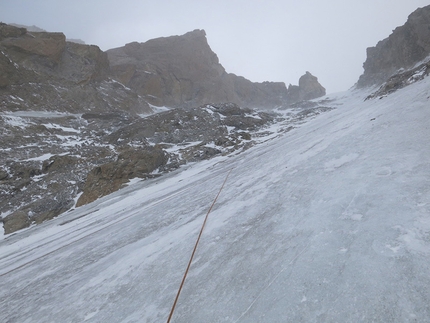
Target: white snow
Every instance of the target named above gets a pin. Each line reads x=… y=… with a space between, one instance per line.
x=255 y=116
x=339 y=162
x=230 y=129
x=40 y=158
x=16 y=98
x=156 y=109
x=40 y=114
x=69 y=141
x=58 y=127
x=133 y=181
x=328 y=222
x=7 y=56
x=176 y=148
x=15 y=121
x=44 y=157
x=209 y=109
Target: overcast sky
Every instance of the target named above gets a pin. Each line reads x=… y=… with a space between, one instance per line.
x=268 y=40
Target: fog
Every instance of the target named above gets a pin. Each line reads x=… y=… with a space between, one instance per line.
x=260 y=40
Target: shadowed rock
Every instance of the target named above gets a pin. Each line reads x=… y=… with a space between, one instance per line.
x=308 y=89
x=110 y=177
x=406 y=46
x=49 y=73
x=184 y=71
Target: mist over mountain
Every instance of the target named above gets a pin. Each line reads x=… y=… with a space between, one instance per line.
x=184 y=71
x=38 y=29
x=72 y=122
x=318 y=207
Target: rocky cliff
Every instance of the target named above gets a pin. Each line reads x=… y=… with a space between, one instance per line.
x=75 y=123
x=55 y=75
x=184 y=71
x=404 y=48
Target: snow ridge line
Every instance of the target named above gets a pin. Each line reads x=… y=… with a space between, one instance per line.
x=195 y=248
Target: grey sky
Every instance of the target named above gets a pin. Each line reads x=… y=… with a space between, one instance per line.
x=268 y=40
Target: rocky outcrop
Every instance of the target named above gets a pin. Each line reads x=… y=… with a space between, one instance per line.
x=405 y=47
x=110 y=177
x=46 y=72
x=308 y=89
x=8 y=31
x=29 y=28
x=38 y=50
x=184 y=71
x=48 y=158
x=177 y=71
x=83 y=64
x=43 y=191
x=67 y=127
x=401 y=80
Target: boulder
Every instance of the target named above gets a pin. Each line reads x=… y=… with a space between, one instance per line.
x=310 y=87
x=3 y=175
x=110 y=177
x=36 y=212
x=60 y=164
x=16 y=221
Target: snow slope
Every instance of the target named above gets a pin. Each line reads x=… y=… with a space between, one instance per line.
x=329 y=222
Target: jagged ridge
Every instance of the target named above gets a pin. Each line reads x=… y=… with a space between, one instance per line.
x=406 y=46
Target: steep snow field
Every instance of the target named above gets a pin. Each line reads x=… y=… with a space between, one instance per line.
x=330 y=222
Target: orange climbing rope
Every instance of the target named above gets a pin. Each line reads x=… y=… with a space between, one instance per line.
x=195 y=248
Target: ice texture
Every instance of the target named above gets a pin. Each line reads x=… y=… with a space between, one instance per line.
x=328 y=222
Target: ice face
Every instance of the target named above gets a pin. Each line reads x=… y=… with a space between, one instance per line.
x=328 y=222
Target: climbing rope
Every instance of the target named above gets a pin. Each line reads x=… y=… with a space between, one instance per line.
x=195 y=248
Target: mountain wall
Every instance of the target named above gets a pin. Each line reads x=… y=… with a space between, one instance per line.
x=176 y=71
x=184 y=71
x=49 y=73
x=405 y=47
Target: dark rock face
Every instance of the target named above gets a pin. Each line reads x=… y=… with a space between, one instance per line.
x=7 y=31
x=406 y=46
x=44 y=72
x=401 y=80
x=110 y=177
x=48 y=159
x=308 y=89
x=184 y=71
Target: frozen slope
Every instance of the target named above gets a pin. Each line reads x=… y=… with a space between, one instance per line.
x=328 y=223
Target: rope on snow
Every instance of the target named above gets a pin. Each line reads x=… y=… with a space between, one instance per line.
x=195 y=248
